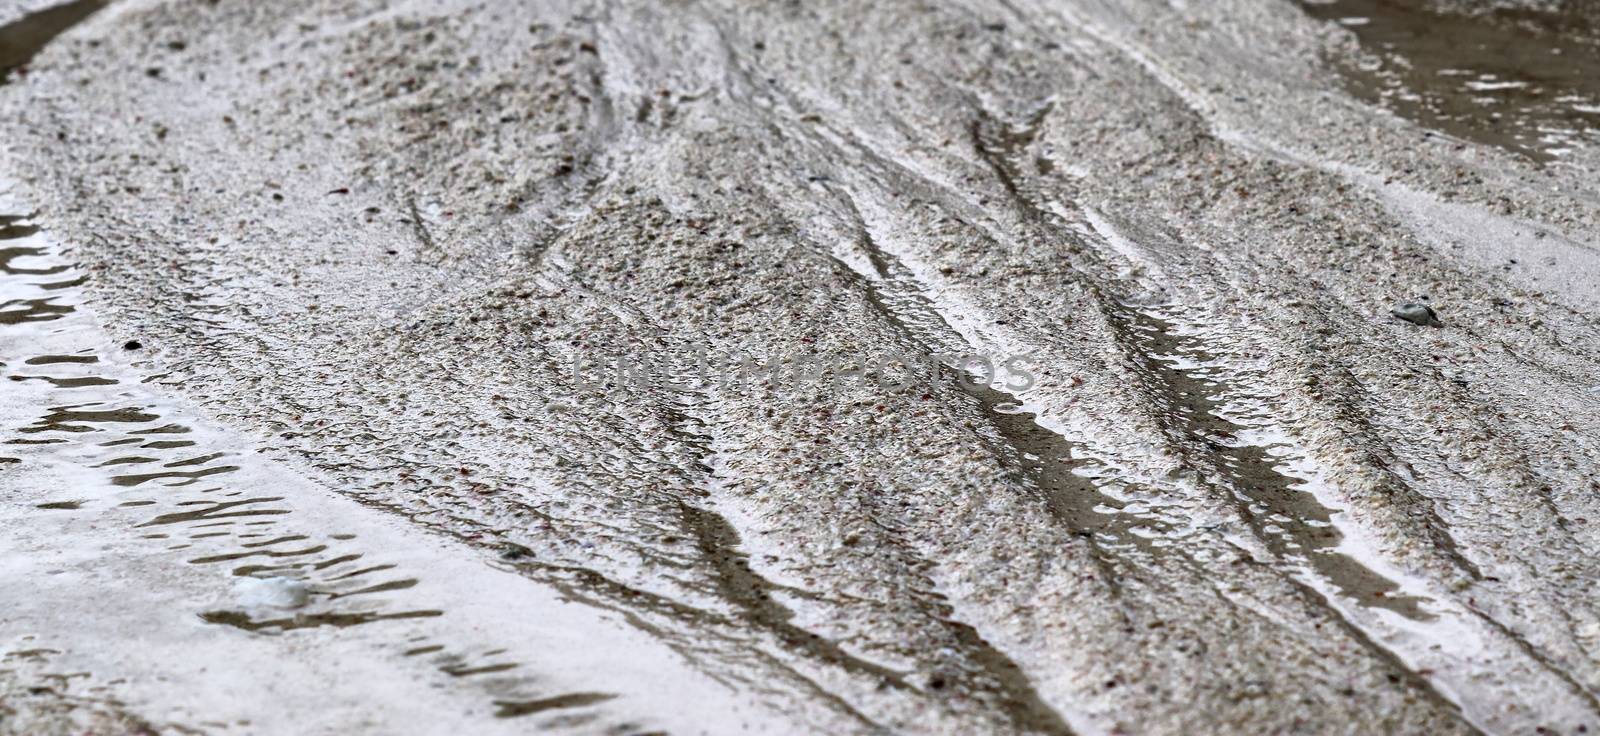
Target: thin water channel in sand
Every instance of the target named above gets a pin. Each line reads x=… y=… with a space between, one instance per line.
x=1193 y=389
x=1202 y=402
x=1522 y=79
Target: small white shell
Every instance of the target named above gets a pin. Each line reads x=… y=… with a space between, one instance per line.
x=276 y=592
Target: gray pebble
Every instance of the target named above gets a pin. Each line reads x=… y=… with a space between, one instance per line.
x=1417 y=314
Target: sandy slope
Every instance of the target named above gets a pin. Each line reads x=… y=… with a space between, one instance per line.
x=1239 y=496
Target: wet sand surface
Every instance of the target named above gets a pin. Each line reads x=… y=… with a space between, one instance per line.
x=130 y=523
x=410 y=307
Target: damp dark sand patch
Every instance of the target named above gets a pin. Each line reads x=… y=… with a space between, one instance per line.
x=21 y=39
x=515 y=709
x=1523 y=80
x=58 y=359
x=68 y=382
x=241 y=620
x=60 y=505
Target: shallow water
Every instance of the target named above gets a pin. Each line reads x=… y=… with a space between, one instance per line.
x=21 y=39
x=1524 y=80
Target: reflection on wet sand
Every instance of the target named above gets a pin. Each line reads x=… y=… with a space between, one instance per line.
x=21 y=39
x=1523 y=79
x=191 y=505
